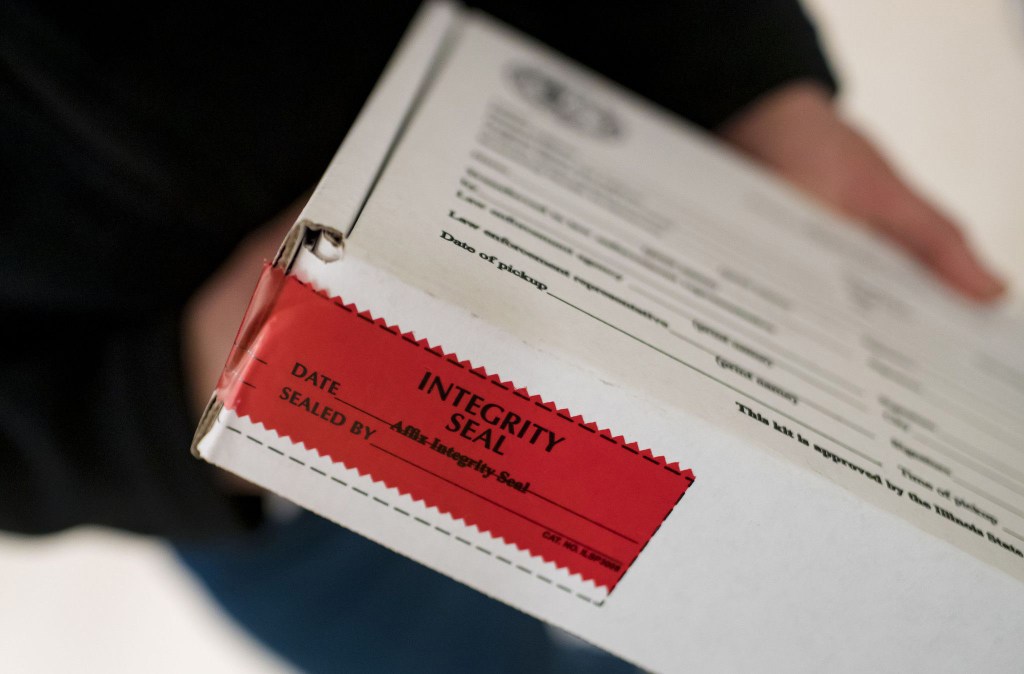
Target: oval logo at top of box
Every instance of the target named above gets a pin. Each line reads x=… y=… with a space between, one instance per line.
x=565 y=102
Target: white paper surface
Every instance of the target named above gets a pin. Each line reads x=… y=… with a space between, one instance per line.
x=855 y=431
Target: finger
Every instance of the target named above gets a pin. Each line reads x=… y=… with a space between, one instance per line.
x=797 y=132
x=935 y=240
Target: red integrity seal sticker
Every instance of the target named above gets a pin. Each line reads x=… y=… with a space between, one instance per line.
x=386 y=403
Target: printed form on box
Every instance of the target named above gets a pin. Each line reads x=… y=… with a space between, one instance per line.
x=541 y=336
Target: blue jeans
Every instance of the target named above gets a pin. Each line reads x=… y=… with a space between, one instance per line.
x=329 y=600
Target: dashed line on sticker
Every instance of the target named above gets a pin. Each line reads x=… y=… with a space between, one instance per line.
x=543 y=579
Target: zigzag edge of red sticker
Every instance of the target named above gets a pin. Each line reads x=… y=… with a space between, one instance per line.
x=367 y=395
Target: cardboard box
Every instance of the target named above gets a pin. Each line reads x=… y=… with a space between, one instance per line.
x=525 y=314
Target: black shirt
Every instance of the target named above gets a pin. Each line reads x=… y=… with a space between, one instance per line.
x=138 y=148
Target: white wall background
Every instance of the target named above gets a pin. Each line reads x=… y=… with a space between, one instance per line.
x=939 y=83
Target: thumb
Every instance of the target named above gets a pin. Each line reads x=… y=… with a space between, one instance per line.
x=885 y=203
x=797 y=132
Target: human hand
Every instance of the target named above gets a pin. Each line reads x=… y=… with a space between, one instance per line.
x=796 y=131
x=213 y=314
